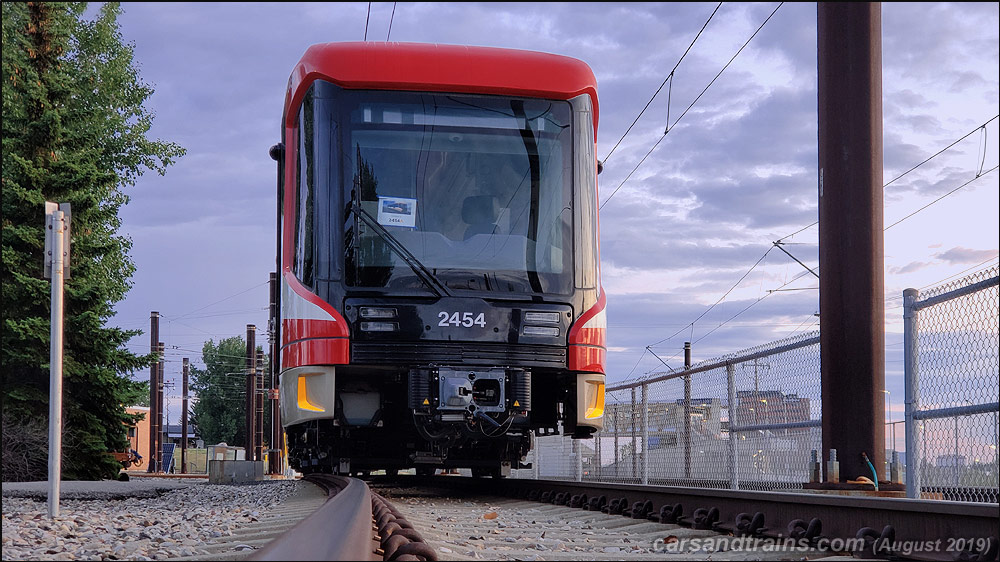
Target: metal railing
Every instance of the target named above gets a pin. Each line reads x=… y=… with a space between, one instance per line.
x=951 y=363
x=746 y=421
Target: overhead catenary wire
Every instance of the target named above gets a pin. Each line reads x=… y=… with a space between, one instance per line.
x=671 y=126
x=665 y=80
x=393 y=15
x=368 y=17
x=702 y=315
x=925 y=161
x=942 y=197
x=810 y=271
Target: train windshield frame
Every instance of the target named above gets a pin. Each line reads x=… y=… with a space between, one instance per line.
x=477 y=190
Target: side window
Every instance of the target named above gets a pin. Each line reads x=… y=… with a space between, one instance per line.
x=305 y=189
x=587 y=262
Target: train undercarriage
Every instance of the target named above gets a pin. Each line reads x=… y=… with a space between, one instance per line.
x=483 y=419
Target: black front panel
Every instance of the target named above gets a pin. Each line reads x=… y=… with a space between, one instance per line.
x=457 y=331
x=459 y=320
x=457 y=353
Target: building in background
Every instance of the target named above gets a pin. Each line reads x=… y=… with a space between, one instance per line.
x=138 y=436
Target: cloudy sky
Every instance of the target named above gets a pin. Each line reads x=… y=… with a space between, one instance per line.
x=736 y=172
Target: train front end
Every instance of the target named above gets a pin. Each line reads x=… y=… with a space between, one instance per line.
x=440 y=294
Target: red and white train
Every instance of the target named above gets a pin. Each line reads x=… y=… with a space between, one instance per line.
x=440 y=297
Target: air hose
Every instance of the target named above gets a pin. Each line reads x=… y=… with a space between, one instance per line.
x=872 y=467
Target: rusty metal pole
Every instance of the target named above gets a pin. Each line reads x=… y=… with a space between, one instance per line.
x=259 y=407
x=851 y=301
x=687 y=411
x=154 y=337
x=184 y=415
x=160 y=429
x=251 y=380
x=275 y=448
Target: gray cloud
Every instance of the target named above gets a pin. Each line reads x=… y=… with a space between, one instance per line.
x=737 y=173
x=965 y=256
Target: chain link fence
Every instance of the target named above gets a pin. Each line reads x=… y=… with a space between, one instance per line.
x=951 y=364
x=746 y=421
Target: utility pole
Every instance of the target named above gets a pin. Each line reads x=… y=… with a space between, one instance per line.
x=154 y=338
x=259 y=407
x=274 y=451
x=160 y=428
x=756 y=391
x=851 y=250
x=184 y=415
x=251 y=381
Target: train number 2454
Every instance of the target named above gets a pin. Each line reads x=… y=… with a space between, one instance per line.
x=463 y=319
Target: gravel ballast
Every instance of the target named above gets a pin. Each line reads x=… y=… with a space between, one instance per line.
x=172 y=523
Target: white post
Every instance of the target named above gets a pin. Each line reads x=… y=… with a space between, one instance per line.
x=57 y=226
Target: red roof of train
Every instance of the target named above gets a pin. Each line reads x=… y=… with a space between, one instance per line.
x=443 y=68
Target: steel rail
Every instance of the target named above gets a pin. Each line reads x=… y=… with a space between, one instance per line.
x=339 y=530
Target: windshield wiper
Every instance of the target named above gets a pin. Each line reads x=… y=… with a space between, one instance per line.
x=420 y=269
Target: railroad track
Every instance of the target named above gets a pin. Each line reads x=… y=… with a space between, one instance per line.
x=353 y=524
x=460 y=518
x=463 y=526
x=554 y=520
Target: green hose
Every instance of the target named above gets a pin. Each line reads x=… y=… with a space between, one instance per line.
x=871 y=466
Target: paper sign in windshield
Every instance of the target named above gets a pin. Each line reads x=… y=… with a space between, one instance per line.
x=397 y=211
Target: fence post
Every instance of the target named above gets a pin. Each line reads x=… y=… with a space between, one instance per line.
x=912 y=392
x=599 y=467
x=635 y=443
x=734 y=478
x=577 y=460
x=687 y=411
x=645 y=434
x=617 y=449
x=536 y=461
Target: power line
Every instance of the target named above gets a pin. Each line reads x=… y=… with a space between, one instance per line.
x=981 y=127
x=811 y=271
x=390 y=21
x=718 y=301
x=671 y=126
x=366 y=20
x=942 y=197
x=665 y=80
x=928 y=159
x=724 y=68
x=979 y=174
x=222 y=300
x=751 y=305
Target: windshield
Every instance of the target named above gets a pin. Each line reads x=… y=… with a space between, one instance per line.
x=476 y=189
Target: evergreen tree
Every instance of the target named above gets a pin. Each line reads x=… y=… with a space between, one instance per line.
x=220 y=412
x=74 y=130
